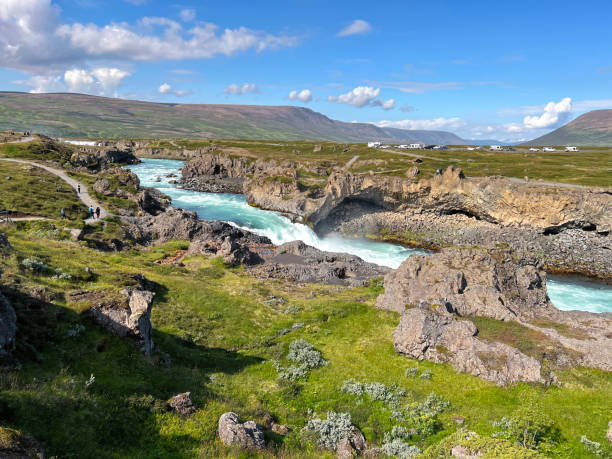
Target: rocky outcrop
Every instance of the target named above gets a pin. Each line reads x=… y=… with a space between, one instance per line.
x=217 y=173
x=494 y=283
x=351 y=446
x=247 y=435
x=182 y=404
x=8 y=327
x=299 y=262
x=99 y=158
x=16 y=445
x=132 y=319
x=434 y=332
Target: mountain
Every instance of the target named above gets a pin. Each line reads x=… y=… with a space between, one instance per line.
x=591 y=129
x=80 y=115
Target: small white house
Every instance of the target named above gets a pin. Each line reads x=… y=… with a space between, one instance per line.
x=548 y=149
x=534 y=149
x=568 y=148
x=374 y=144
x=496 y=148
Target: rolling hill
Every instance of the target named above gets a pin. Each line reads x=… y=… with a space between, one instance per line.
x=593 y=129
x=80 y=115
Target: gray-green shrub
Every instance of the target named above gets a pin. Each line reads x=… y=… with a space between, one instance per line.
x=332 y=430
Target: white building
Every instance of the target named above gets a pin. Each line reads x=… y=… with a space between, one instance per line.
x=496 y=148
x=374 y=144
x=568 y=148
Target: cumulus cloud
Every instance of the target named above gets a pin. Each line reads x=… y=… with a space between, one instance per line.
x=241 y=89
x=187 y=15
x=432 y=124
x=357 y=27
x=363 y=96
x=305 y=95
x=554 y=115
x=167 y=89
x=34 y=39
x=102 y=81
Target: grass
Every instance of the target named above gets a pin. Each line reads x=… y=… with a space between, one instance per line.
x=34 y=191
x=222 y=337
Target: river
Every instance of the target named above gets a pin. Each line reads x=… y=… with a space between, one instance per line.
x=566 y=293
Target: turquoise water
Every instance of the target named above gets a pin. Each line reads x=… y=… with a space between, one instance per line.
x=565 y=293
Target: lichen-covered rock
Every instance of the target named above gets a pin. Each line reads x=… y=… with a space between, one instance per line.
x=351 y=446
x=182 y=404
x=132 y=319
x=246 y=435
x=499 y=284
x=8 y=327
x=434 y=332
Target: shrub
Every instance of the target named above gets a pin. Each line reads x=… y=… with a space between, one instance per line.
x=411 y=372
x=389 y=395
x=332 y=430
x=426 y=374
x=35 y=266
x=592 y=446
x=305 y=355
x=399 y=448
x=528 y=426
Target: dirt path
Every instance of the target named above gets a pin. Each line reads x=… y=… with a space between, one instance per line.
x=83 y=195
x=22 y=140
x=350 y=162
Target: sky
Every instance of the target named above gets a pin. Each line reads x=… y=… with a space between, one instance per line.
x=483 y=70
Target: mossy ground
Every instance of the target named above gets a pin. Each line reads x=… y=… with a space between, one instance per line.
x=222 y=337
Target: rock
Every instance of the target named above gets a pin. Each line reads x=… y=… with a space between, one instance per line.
x=317 y=148
x=16 y=445
x=299 y=262
x=412 y=172
x=76 y=234
x=103 y=187
x=434 y=332
x=247 y=436
x=461 y=452
x=4 y=242
x=279 y=429
x=8 y=327
x=182 y=404
x=494 y=283
x=351 y=446
x=459 y=420
x=417 y=160
x=132 y=319
x=152 y=201
x=609 y=432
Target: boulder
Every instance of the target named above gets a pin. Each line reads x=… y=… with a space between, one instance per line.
x=182 y=404
x=8 y=327
x=494 y=283
x=103 y=187
x=412 y=172
x=351 y=446
x=132 y=319
x=434 y=332
x=247 y=435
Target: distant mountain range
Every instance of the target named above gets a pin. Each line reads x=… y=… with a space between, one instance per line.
x=591 y=129
x=80 y=115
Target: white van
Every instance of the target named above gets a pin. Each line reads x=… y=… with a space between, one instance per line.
x=548 y=149
x=571 y=149
x=534 y=149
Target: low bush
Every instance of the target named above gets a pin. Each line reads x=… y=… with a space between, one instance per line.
x=332 y=430
x=305 y=355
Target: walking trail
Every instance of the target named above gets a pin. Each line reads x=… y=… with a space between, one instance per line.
x=83 y=195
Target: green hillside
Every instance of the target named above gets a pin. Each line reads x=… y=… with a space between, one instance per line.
x=79 y=115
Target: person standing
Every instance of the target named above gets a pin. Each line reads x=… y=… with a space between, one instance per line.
x=91 y=212
x=79 y=188
x=98 y=213
x=63 y=213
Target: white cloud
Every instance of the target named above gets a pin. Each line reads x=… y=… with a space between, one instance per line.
x=554 y=115
x=187 y=15
x=166 y=89
x=418 y=87
x=102 y=81
x=304 y=95
x=363 y=96
x=241 y=89
x=34 y=39
x=357 y=27
x=432 y=124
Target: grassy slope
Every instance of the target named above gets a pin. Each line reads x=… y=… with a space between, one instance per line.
x=591 y=167
x=213 y=322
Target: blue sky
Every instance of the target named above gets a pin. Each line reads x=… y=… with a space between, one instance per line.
x=506 y=70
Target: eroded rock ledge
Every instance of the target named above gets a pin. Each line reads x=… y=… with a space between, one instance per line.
x=440 y=296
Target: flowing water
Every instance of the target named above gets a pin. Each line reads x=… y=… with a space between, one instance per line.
x=566 y=293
